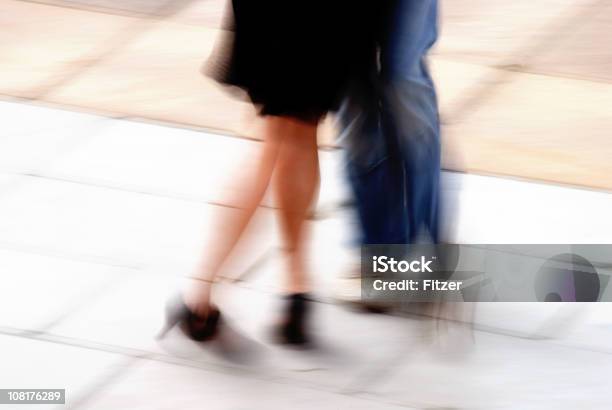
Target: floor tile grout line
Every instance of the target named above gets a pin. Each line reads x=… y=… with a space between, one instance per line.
x=110 y=348
x=155 y=14
x=112 y=283
x=160 y=17
x=320 y=214
x=378 y=370
x=261 y=261
x=112 y=115
x=198 y=364
x=100 y=385
x=145 y=15
x=519 y=68
x=122 y=188
x=241 y=281
x=74 y=257
x=133 y=359
x=70 y=142
x=491 y=84
x=92 y=296
x=134 y=356
x=323 y=148
x=117 y=41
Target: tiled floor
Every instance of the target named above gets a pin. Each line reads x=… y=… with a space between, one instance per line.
x=524 y=86
x=102 y=218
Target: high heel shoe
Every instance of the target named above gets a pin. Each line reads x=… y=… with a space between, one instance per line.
x=292 y=329
x=193 y=326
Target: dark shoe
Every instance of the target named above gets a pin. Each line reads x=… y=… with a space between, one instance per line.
x=292 y=329
x=194 y=326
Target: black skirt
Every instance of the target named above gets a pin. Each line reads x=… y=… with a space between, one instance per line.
x=294 y=58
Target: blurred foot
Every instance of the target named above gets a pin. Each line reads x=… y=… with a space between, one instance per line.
x=193 y=325
x=293 y=328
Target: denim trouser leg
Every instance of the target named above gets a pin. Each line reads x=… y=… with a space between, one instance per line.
x=391 y=133
x=373 y=174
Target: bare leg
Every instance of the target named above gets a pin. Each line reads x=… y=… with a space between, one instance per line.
x=296 y=182
x=233 y=225
x=290 y=151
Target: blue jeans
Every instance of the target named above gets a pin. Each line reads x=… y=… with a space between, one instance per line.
x=391 y=131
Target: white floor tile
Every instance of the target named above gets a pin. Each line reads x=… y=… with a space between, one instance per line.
x=33 y=364
x=172 y=387
x=36 y=289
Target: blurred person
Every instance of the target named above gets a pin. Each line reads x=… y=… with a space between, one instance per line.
x=390 y=129
x=292 y=59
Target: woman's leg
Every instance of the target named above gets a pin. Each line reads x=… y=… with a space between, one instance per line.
x=290 y=152
x=296 y=182
x=233 y=224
